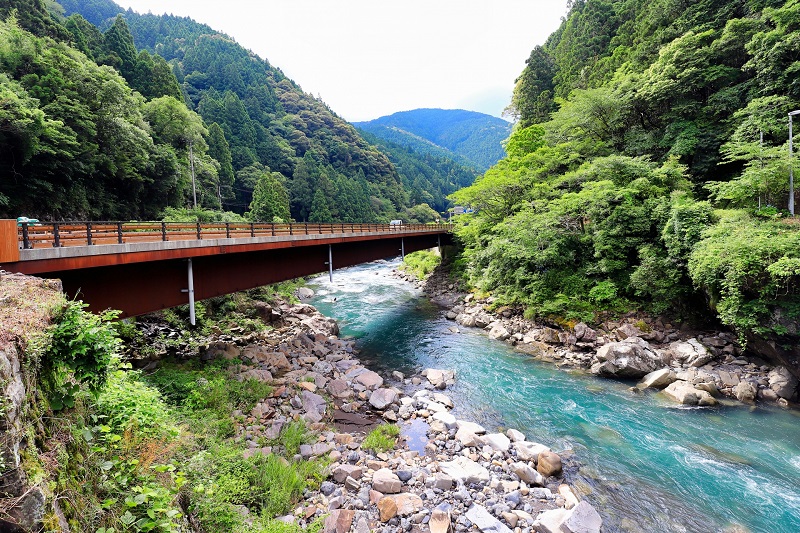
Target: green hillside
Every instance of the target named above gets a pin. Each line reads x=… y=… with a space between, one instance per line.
x=193 y=100
x=473 y=136
x=430 y=173
x=636 y=178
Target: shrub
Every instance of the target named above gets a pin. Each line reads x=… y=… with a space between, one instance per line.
x=81 y=348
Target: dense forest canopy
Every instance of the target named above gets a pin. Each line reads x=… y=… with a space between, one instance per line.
x=649 y=168
x=187 y=101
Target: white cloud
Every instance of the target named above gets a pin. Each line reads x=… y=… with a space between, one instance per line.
x=368 y=58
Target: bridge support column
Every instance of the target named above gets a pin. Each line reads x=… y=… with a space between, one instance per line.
x=402 y=248
x=439 y=244
x=330 y=263
x=190 y=290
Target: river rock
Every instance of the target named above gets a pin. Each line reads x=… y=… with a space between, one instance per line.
x=407 y=503
x=627 y=330
x=304 y=293
x=690 y=353
x=339 y=521
x=498 y=331
x=515 y=436
x=582 y=519
x=440 y=378
x=387 y=509
x=371 y=380
x=549 y=336
x=584 y=333
x=440 y=521
x=342 y=472
x=782 y=382
x=497 y=441
x=472 y=427
x=745 y=391
x=527 y=474
x=314 y=406
x=480 y=517
x=468 y=438
x=386 y=481
x=382 y=398
x=529 y=451
x=631 y=358
x=658 y=379
x=468 y=321
x=445 y=418
x=466 y=470
x=338 y=388
x=685 y=393
x=570 y=500
x=548 y=464
x=550 y=521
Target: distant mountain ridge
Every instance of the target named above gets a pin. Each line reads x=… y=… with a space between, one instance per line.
x=473 y=137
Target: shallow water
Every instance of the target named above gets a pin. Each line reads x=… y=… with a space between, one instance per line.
x=645 y=463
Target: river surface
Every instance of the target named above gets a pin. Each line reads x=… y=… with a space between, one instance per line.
x=646 y=464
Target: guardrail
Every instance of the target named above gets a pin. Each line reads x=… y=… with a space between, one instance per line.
x=63 y=234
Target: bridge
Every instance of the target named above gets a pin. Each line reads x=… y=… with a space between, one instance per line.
x=141 y=267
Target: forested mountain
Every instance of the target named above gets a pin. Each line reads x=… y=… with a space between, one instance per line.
x=636 y=176
x=195 y=99
x=428 y=172
x=475 y=137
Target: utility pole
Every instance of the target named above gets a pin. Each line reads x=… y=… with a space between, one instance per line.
x=791 y=163
x=191 y=167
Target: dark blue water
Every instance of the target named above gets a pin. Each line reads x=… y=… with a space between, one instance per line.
x=645 y=463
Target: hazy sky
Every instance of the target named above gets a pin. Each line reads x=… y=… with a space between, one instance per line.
x=369 y=58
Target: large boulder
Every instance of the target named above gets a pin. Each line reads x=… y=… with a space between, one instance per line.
x=548 y=464
x=498 y=331
x=745 y=391
x=582 y=519
x=529 y=451
x=658 y=379
x=371 y=380
x=690 y=353
x=382 y=398
x=314 y=406
x=631 y=358
x=685 y=393
x=440 y=378
x=782 y=382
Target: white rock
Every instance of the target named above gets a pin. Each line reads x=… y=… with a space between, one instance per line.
x=443 y=399
x=464 y=469
x=529 y=451
x=515 y=436
x=658 y=379
x=471 y=426
x=497 y=441
x=446 y=418
x=570 y=500
x=582 y=519
x=478 y=515
x=498 y=331
x=685 y=393
x=468 y=438
x=550 y=521
x=440 y=377
x=527 y=474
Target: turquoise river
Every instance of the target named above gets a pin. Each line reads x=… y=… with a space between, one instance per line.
x=646 y=464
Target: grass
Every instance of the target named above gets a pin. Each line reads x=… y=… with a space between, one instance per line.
x=382 y=438
x=421 y=263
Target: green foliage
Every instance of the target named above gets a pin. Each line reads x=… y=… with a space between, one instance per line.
x=175 y=214
x=382 y=438
x=270 y=198
x=421 y=263
x=81 y=349
x=292 y=435
x=127 y=402
x=748 y=268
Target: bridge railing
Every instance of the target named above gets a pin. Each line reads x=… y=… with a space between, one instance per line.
x=63 y=234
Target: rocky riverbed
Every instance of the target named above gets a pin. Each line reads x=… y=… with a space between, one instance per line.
x=691 y=367
x=444 y=474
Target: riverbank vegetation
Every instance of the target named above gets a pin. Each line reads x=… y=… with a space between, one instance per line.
x=119 y=449
x=637 y=178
